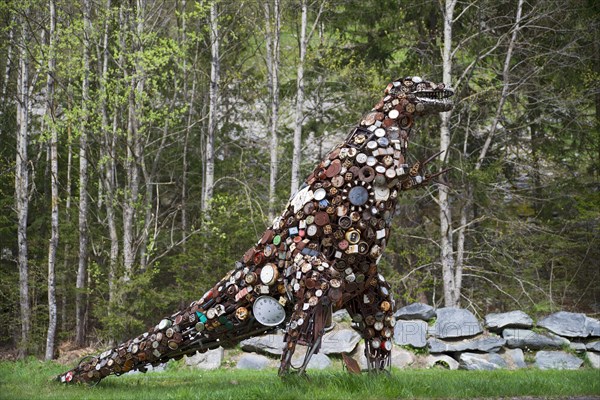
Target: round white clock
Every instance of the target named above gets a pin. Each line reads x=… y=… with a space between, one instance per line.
x=268 y=311
x=269 y=274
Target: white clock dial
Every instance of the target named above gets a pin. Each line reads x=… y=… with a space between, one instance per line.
x=268 y=274
x=268 y=311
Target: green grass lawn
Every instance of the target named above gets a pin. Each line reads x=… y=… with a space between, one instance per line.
x=32 y=380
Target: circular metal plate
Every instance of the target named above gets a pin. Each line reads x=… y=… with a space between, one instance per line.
x=358 y=195
x=366 y=174
x=320 y=194
x=321 y=218
x=334 y=169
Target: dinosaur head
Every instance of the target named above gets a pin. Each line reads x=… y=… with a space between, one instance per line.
x=415 y=96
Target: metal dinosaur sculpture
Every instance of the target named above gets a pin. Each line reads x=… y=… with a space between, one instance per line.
x=320 y=254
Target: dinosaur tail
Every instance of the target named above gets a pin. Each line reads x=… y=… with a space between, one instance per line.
x=222 y=317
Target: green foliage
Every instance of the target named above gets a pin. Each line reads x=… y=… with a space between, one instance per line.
x=420 y=351
x=175 y=281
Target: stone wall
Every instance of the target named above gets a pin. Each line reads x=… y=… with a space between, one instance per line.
x=447 y=337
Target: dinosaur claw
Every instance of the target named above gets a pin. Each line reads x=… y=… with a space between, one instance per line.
x=440 y=183
x=417 y=181
x=424 y=163
x=435 y=175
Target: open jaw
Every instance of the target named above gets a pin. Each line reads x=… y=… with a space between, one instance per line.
x=436 y=100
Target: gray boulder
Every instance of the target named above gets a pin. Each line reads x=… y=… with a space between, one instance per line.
x=577 y=347
x=252 y=361
x=416 y=311
x=514 y=358
x=593 y=346
x=339 y=341
x=441 y=361
x=359 y=356
x=481 y=362
x=149 y=368
x=485 y=343
x=212 y=359
x=454 y=323
x=594 y=359
x=266 y=344
x=413 y=333
x=526 y=339
x=592 y=326
x=567 y=324
x=512 y=319
x=317 y=361
x=159 y=368
x=557 y=360
x=402 y=358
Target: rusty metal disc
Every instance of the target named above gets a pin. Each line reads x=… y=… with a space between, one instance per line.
x=321 y=218
x=334 y=168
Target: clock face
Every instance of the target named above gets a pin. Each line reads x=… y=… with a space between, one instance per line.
x=382 y=193
x=268 y=311
x=268 y=274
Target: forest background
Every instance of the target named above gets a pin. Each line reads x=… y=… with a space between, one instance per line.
x=145 y=144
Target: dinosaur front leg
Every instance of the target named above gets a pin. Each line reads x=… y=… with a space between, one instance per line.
x=417 y=177
x=306 y=327
x=315 y=287
x=372 y=313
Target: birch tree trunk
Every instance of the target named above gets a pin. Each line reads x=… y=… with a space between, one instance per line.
x=297 y=151
x=81 y=297
x=215 y=70
x=8 y=66
x=69 y=195
x=152 y=188
x=109 y=167
x=302 y=45
x=21 y=187
x=273 y=28
x=111 y=188
x=139 y=112
x=505 y=86
x=466 y=214
x=453 y=261
x=188 y=99
x=132 y=163
x=53 y=245
x=451 y=297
